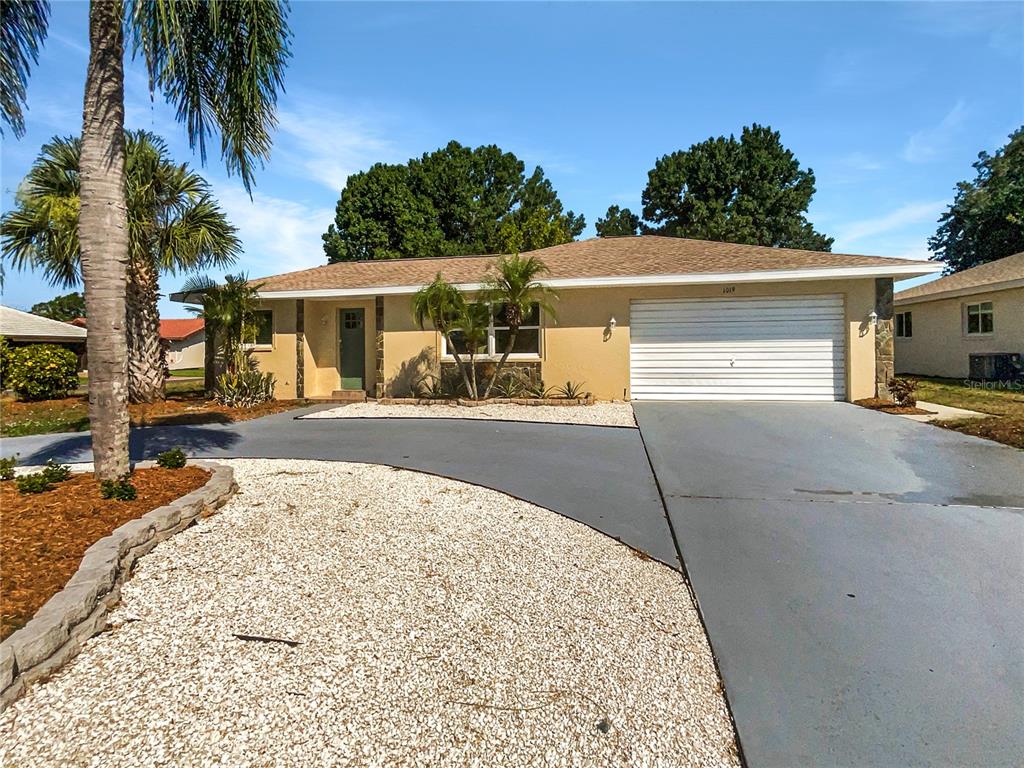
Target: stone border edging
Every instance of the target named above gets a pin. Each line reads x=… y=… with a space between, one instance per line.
x=54 y=635
x=493 y=401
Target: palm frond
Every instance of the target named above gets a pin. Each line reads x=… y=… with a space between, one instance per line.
x=23 y=26
x=221 y=64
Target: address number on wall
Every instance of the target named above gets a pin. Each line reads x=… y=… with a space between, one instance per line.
x=729 y=289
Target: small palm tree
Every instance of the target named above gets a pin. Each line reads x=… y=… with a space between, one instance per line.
x=446 y=308
x=229 y=316
x=512 y=292
x=173 y=226
x=221 y=63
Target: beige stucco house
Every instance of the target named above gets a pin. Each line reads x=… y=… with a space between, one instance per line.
x=637 y=318
x=969 y=324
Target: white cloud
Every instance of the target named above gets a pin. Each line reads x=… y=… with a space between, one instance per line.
x=930 y=143
x=905 y=216
x=277 y=235
x=328 y=145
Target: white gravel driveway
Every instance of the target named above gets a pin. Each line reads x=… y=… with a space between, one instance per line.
x=439 y=624
x=603 y=414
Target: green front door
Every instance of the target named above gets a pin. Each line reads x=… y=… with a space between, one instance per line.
x=352 y=348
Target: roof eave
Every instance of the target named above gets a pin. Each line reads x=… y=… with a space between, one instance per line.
x=901 y=271
x=953 y=293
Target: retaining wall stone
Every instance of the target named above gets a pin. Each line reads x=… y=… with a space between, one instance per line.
x=58 y=630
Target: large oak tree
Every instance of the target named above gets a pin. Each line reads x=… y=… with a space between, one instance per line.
x=453 y=201
x=747 y=190
x=985 y=222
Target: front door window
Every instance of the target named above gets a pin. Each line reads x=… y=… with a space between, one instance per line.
x=352 y=348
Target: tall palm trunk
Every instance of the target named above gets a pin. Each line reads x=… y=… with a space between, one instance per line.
x=210 y=358
x=103 y=238
x=145 y=369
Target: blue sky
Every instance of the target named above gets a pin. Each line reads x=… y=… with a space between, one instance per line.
x=888 y=103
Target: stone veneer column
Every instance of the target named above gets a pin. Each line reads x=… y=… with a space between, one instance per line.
x=300 y=357
x=885 y=366
x=378 y=323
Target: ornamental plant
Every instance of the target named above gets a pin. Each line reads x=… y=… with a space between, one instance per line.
x=120 y=489
x=7 y=468
x=40 y=371
x=172 y=459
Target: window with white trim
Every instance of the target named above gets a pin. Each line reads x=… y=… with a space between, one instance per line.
x=527 y=344
x=979 y=318
x=904 y=325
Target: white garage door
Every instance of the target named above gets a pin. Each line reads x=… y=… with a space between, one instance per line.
x=786 y=348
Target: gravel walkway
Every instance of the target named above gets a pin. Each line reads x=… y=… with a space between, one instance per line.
x=439 y=624
x=615 y=414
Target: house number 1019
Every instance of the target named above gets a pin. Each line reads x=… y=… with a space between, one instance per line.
x=729 y=289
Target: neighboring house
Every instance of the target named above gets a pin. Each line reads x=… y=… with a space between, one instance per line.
x=21 y=328
x=966 y=325
x=637 y=317
x=185 y=340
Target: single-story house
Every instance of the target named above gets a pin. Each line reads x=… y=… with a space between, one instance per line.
x=965 y=325
x=185 y=341
x=642 y=317
x=22 y=328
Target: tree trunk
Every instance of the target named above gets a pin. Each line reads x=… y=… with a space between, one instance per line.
x=145 y=358
x=103 y=238
x=509 y=346
x=462 y=366
x=210 y=358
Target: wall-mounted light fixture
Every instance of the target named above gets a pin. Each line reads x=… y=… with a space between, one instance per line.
x=873 y=319
x=611 y=322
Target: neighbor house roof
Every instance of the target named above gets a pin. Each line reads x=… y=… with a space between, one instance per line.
x=993 y=276
x=639 y=260
x=180 y=328
x=24 y=326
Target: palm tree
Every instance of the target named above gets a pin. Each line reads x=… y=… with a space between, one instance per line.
x=512 y=293
x=445 y=306
x=173 y=226
x=229 y=315
x=220 y=62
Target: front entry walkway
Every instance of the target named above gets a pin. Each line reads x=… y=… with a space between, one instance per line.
x=859 y=577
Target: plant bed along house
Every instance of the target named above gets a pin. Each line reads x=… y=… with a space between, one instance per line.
x=45 y=535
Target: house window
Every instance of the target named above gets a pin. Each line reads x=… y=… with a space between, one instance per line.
x=264 y=320
x=527 y=342
x=904 y=325
x=979 y=318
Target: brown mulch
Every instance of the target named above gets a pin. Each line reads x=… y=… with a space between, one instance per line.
x=887 y=406
x=1008 y=430
x=43 y=536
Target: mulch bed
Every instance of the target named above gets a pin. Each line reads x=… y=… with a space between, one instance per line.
x=44 y=536
x=1008 y=430
x=887 y=406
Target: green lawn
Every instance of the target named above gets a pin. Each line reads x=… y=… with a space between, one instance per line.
x=194 y=372
x=1006 y=407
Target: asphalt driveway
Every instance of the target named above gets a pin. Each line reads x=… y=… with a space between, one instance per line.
x=860 y=579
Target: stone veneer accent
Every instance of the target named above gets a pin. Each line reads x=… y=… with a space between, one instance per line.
x=300 y=357
x=378 y=324
x=56 y=633
x=885 y=352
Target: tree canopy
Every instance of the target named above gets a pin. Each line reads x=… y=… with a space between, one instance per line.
x=750 y=190
x=64 y=308
x=985 y=221
x=617 y=222
x=450 y=202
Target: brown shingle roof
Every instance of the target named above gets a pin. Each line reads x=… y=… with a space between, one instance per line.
x=598 y=257
x=992 y=273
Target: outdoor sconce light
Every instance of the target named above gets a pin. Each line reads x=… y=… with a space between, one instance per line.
x=873 y=319
x=611 y=322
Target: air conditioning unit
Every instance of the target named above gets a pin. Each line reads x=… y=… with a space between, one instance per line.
x=1001 y=366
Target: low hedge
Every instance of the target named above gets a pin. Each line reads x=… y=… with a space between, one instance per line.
x=39 y=371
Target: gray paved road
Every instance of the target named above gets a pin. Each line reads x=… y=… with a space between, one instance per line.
x=858 y=618
x=597 y=475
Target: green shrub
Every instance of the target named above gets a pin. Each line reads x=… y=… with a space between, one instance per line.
x=56 y=473
x=5 y=353
x=7 y=468
x=40 y=371
x=121 y=489
x=172 y=459
x=242 y=385
x=902 y=391
x=37 y=482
